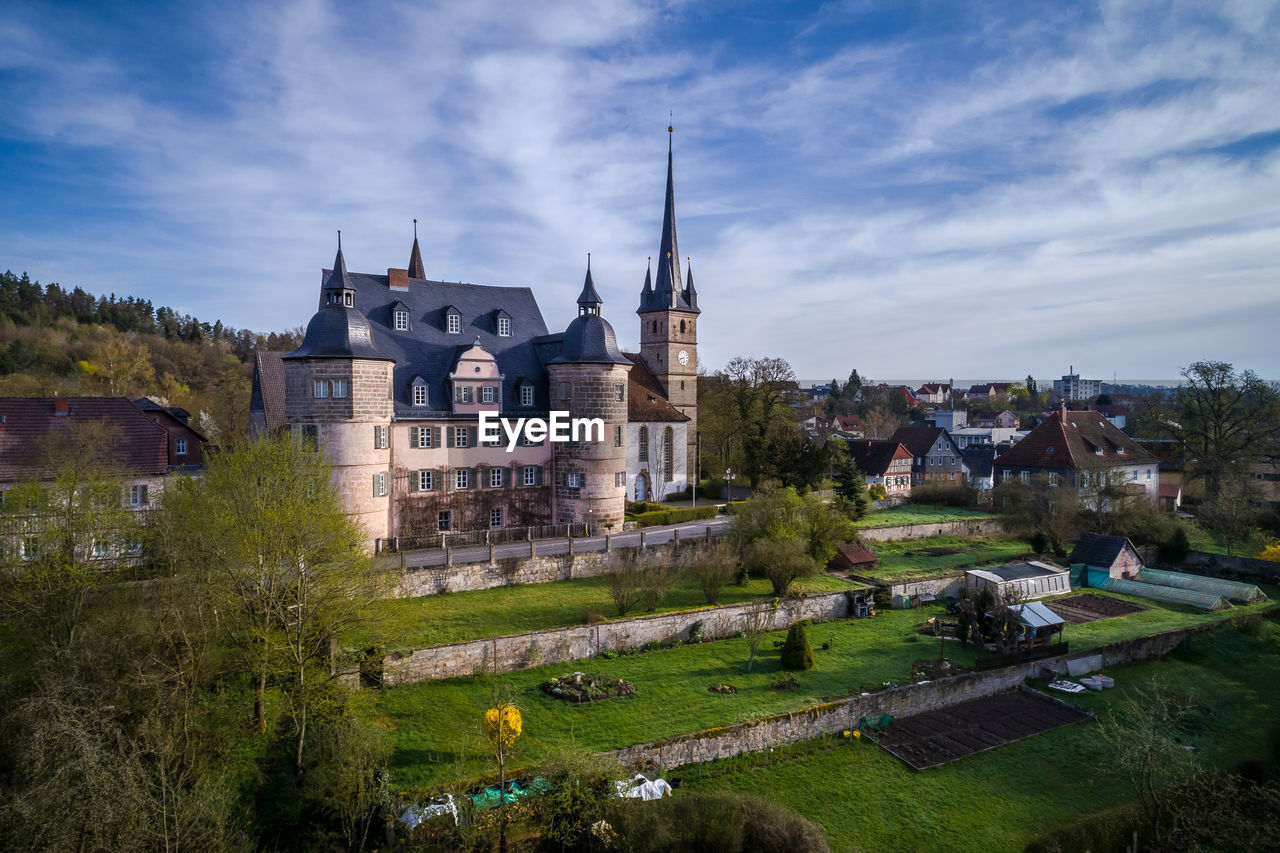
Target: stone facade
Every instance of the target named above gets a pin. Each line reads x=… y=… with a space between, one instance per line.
x=646 y=469
x=664 y=336
x=534 y=648
x=964 y=527
x=590 y=475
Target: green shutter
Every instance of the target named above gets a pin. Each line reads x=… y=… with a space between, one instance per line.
x=448 y=434
x=537 y=477
x=435 y=435
x=413 y=437
x=413 y=481
x=475 y=436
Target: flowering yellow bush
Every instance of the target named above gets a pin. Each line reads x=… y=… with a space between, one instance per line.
x=1271 y=552
x=502 y=725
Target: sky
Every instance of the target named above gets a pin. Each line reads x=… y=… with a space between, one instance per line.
x=912 y=189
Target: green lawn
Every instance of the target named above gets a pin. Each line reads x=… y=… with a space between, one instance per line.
x=867 y=800
x=413 y=623
x=918 y=514
x=436 y=738
x=900 y=560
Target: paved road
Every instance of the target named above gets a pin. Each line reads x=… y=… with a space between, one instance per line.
x=480 y=553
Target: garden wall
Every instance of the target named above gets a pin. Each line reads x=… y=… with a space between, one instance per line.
x=432 y=580
x=832 y=717
x=962 y=527
x=1232 y=568
x=533 y=648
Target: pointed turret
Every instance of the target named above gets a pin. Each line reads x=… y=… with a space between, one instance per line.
x=690 y=295
x=589 y=301
x=338 y=289
x=668 y=292
x=416 y=269
x=647 y=293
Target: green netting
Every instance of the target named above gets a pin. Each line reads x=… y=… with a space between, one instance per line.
x=1171 y=594
x=884 y=720
x=1233 y=591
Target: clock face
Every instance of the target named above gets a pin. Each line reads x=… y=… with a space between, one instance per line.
x=683 y=357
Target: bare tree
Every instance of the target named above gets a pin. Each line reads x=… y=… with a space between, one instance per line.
x=757 y=620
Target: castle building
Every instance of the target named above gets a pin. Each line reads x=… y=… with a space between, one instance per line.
x=395 y=371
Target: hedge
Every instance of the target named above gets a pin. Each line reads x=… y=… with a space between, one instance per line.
x=675 y=516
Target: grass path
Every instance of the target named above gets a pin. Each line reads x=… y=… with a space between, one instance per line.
x=918 y=514
x=901 y=560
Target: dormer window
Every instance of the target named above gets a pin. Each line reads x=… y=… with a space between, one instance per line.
x=418 y=392
x=452 y=321
x=504 y=327
x=526 y=395
x=402 y=320
x=348 y=299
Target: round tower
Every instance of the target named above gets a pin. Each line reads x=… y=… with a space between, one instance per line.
x=338 y=394
x=588 y=379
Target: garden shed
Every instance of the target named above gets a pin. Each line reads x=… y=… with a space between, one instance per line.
x=1024 y=580
x=1114 y=555
x=854 y=557
x=1038 y=622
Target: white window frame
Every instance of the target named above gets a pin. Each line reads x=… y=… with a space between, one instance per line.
x=453 y=324
x=321 y=388
x=402 y=321
x=526 y=395
x=381 y=438
x=339 y=387
x=419 y=395
x=530 y=475
x=462 y=478
x=617 y=436
x=138 y=495
x=464 y=394
x=619 y=391
x=380 y=484
x=426 y=480
x=574 y=480
x=487 y=394
x=504 y=327
x=620 y=479
x=461 y=436
x=496 y=477
x=495 y=516
x=444 y=520
x=180 y=447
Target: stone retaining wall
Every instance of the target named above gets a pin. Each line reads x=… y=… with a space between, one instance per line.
x=533 y=648
x=962 y=527
x=432 y=580
x=832 y=717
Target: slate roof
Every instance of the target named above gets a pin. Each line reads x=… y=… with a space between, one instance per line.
x=268 y=390
x=1071 y=440
x=979 y=458
x=918 y=440
x=589 y=339
x=873 y=455
x=427 y=350
x=668 y=292
x=1096 y=550
x=646 y=401
x=138 y=446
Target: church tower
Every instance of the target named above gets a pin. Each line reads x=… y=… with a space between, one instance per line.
x=669 y=322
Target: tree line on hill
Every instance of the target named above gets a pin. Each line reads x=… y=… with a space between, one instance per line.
x=64 y=342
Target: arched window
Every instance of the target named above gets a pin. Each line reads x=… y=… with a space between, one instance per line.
x=682 y=327
x=644 y=444
x=668 y=455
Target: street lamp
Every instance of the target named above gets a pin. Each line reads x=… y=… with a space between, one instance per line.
x=729 y=477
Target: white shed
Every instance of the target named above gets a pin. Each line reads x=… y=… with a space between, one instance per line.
x=1032 y=579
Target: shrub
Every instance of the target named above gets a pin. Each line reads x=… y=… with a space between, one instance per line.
x=1175 y=548
x=593 y=617
x=655 y=517
x=781 y=561
x=876 y=492
x=714 y=576
x=656 y=581
x=1039 y=542
x=727 y=822
x=945 y=495
x=796 y=651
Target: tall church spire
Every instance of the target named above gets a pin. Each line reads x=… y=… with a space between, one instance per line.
x=667 y=287
x=416 y=270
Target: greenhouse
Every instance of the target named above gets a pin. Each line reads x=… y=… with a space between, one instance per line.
x=1233 y=591
x=1170 y=594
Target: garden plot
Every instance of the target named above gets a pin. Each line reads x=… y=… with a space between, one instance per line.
x=1078 y=609
x=939 y=737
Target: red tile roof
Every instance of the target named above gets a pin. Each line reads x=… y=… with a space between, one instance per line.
x=646 y=401
x=137 y=445
x=849 y=422
x=268 y=392
x=873 y=455
x=1075 y=440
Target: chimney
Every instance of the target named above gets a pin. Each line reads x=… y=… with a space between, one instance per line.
x=61 y=407
x=398 y=279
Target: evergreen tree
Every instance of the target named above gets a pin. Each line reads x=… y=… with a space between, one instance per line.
x=796 y=651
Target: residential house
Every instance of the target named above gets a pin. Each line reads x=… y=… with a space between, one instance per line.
x=883 y=462
x=1081 y=450
x=985 y=435
x=934 y=392
x=1000 y=420
x=936 y=458
x=948 y=419
x=1117 y=413
x=979 y=459
x=1115 y=555
x=851 y=426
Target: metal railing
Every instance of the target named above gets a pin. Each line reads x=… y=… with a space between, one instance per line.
x=494 y=536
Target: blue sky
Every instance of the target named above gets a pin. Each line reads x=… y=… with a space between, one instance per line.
x=913 y=189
